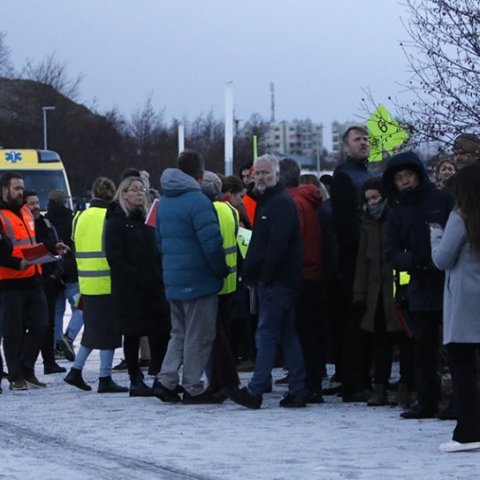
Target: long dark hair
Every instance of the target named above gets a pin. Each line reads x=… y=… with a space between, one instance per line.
x=468 y=201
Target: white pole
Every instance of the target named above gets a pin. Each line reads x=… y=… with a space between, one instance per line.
x=228 y=128
x=181 y=138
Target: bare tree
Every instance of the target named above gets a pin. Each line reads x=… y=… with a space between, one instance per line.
x=6 y=67
x=443 y=53
x=51 y=72
x=144 y=127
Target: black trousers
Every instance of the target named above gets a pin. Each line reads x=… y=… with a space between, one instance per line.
x=223 y=374
x=426 y=333
x=158 y=347
x=52 y=290
x=25 y=321
x=310 y=333
x=464 y=370
x=383 y=342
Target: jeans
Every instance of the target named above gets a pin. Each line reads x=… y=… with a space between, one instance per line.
x=276 y=324
x=106 y=359
x=69 y=293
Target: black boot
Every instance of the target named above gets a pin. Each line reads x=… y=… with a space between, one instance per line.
x=107 y=385
x=74 y=377
x=138 y=388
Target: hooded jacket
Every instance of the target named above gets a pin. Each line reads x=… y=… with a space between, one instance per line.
x=407 y=243
x=188 y=236
x=307 y=199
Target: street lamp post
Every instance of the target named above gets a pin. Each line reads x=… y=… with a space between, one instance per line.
x=44 y=111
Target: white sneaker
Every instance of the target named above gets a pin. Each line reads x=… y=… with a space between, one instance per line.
x=454 y=446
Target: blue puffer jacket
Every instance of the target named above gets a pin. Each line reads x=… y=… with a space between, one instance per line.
x=189 y=238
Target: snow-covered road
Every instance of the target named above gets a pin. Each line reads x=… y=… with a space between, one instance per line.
x=64 y=432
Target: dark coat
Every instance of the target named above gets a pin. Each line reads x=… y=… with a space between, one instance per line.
x=274 y=254
x=346 y=198
x=407 y=243
x=373 y=276
x=139 y=303
x=62 y=218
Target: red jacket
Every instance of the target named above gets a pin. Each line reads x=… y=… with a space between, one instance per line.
x=307 y=198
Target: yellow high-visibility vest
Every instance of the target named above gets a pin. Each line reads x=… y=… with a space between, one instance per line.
x=228 y=220
x=88 y=233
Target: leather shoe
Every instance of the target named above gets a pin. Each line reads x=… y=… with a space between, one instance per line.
x=53 y=368
x=242 y=396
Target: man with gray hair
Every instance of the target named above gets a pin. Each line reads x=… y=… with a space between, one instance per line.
x=273 y=263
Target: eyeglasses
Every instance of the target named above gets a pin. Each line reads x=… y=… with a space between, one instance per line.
x=136 y=190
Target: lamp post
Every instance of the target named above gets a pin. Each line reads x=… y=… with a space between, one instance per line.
x=44 y=111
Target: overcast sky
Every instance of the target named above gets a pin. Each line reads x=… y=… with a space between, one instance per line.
x=320 y=54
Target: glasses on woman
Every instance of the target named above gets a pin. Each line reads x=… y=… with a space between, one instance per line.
x=136 y=190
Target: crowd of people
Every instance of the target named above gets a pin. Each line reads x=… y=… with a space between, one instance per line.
x=270 y=268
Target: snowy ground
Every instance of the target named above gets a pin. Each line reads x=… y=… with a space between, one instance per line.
x=62 y=432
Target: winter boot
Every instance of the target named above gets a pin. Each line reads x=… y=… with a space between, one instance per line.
x=107 y=385
x=138 y=388
x=74 y=377
x=378 y=397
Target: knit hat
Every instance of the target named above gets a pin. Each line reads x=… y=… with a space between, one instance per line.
x=211 y=185
x=57 y=197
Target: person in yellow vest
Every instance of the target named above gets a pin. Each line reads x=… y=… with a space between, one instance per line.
x=24 y=306
x=88 y=235
x=221 y=370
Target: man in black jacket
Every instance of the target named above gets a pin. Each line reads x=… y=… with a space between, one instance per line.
x=407 y=248
x=51 y=272
x=273 y=263
x=352 y=360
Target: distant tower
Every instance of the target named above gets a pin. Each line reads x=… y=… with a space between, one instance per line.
x=272 y=103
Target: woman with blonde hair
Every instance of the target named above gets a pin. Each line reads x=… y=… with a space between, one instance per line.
x=139 y=304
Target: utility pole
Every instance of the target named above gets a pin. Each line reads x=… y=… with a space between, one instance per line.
x=44 y=111
x=272 y=103
x=228 y=128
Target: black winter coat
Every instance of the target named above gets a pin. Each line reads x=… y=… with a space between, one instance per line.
x=275 y=252
x=346 y=199
x=62 y=218
x=407 y=244
x=139 y=303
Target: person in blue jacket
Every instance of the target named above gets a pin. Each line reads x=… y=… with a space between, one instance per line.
x=189 y=238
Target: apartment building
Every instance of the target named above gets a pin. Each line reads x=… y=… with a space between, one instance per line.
x=299 y=137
